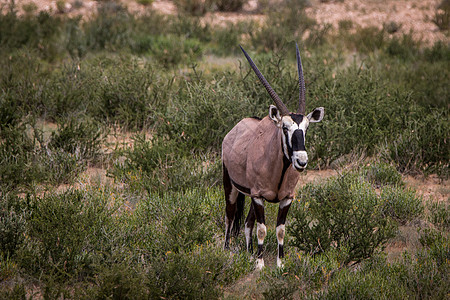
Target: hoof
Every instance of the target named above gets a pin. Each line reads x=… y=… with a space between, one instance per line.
x=259 y=263
x=280 y=263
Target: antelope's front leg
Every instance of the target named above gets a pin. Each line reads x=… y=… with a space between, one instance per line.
x=281 y=219
x=258 y=205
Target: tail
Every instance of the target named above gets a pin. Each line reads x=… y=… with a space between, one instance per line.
x=238 y=217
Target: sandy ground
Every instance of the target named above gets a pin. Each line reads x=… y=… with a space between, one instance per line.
x=413 y=16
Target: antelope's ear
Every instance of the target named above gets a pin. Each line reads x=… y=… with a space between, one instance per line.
x=274 y=114
x=316 y=115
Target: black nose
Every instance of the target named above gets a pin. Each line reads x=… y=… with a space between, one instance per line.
x=301 y=163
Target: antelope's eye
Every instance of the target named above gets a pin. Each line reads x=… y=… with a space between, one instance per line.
x=285 y=129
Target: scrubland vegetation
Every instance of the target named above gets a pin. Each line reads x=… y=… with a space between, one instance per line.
x=69 y=89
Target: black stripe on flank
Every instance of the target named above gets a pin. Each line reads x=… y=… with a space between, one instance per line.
x=241 y=188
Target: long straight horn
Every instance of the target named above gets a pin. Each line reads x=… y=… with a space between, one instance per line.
x=283 y=109
x=301 y=84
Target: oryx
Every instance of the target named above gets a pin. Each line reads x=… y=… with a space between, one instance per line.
x=262 y=159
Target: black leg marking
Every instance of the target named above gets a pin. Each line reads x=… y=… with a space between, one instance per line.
x=261 y=231
x=249 y=224
x=240 y=201
x=230 y=209
x=281 y=220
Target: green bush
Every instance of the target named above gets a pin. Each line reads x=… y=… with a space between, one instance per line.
x=157 y=165
x=286 y=22
x=229 y=5
x=403 y=48
x=439 y=214
x=381 y=174
x=12 y=224
x=39 y=32
x=65 y=235
x=197 y=274
x=179 y=221
x=18 y=291
x=364 y=284
x=302 y=275
x=421 y=72
x=401 y=204
x=111 y=29
x=344 y=213
x=442 y=15
x=367 y=39
x=83 y=139
x=437 y=245
x=119 y=280
x=17 y=152
x=422 y=146
x=193 y=7
x=170 y=50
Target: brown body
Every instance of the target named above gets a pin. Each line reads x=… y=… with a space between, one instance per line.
x=253 y=155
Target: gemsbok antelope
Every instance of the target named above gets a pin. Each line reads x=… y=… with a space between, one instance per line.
x=256 y=156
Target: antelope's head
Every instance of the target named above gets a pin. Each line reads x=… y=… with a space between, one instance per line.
x=293 y=125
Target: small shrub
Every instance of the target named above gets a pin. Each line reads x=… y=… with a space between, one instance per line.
x=439 y=214
x=286 y=22
x=336 y=215
x=403 y=48
x=197 y=274
x=229 y=5
x=422 y=147
x=157 y=165
x=368 y=39
x=438 y=52
x=365 y=283
x=39 y=32
x=442 y=15
x=83 y=139
x=66 y=234
x=437 y=245
x=16 y=154
x=392 y=27
x=381 y=174
x=187 y=219
x=401 y=204
x=111 y=29
x=302 y=274
x=170 y=50
x=119 y=280
x=12 y=226
x=426 y=276
x=18 y=291
x=193 y=7
x=61 y=6
x=345 y=25
x=145 y=2
x=29 y=8
x=77 y=4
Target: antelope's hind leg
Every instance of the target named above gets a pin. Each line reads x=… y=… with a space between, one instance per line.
x=231 y=195
x=281 y=220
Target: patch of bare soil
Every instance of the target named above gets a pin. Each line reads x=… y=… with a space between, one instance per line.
x=413 y=16
x=431 y=188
